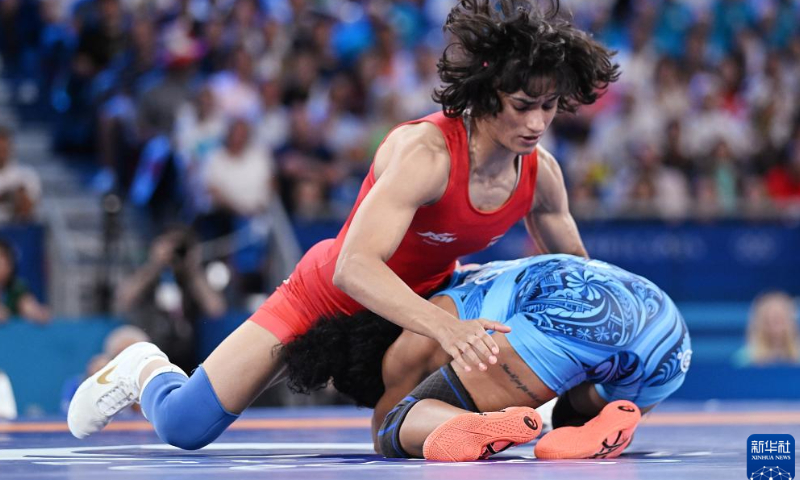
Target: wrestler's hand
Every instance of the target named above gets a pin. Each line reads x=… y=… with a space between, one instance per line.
x=469 y=344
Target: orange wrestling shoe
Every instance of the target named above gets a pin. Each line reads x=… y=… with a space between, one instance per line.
x=475 y=436
x=604 y=436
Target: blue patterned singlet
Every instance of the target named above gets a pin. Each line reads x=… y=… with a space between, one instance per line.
x=575 y=320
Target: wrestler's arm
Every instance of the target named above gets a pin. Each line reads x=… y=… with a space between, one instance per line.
x=549 y=222
x=414 y=168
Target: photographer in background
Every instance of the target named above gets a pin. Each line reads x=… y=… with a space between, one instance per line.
x=167 y=295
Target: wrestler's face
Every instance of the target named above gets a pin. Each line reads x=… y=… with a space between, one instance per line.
x=523 y=120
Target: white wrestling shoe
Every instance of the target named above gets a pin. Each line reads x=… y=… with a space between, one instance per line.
x=111 y=389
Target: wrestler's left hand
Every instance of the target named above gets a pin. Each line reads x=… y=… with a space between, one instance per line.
x=467 y=341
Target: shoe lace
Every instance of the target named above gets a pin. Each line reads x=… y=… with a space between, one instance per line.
x=116 y=399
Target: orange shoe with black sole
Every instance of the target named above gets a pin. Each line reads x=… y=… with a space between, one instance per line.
x=476 y=436
x=605 y=436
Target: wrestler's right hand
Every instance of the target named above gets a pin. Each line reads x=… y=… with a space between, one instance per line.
x=469 y=343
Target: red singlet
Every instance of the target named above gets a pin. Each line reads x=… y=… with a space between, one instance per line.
x=439 y=234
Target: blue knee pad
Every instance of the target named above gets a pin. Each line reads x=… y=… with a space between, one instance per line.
x=185 y=412
x=443 y=385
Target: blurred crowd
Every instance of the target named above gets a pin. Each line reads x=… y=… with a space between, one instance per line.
x=209 y=108
x=203 y=112
x=705 y=120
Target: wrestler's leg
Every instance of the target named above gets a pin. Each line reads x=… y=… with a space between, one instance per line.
x=236 y=372
x=187 y=412
x=407 y=362
x=577 y=406
x=437 y=420
x=508 y=383
x=244 y=365
x=422 y=420
x=191 y=413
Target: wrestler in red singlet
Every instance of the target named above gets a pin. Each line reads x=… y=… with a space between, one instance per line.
x=438 y=235
x=509 y=68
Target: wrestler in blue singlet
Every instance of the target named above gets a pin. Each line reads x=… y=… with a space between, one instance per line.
x=575 y=320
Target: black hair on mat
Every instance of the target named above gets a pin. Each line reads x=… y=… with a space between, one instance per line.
x=347 y=350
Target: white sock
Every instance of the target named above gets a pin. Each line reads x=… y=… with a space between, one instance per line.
x=158 y=371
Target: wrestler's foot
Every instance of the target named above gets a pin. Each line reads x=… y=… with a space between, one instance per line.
x=475 y=436
x=605 y=436
x=111 y=389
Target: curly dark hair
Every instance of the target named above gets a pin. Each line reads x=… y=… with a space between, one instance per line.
x=511 y=45
x=345 y=349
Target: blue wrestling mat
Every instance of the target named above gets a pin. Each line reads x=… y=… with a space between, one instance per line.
x=679 y=441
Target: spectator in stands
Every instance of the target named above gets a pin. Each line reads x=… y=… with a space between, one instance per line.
x=213 y=41
x=235 y=90
x=772 y=332
x=309 y=200
x=301 y=78
x=670 y=95
x=157 y=105
x=623 y=124
x=722 y=168
x=118 y=136
x=157 y=183
x=276 y=46
x=674 y=151
x=716 y=118
x=17 y=299
x=730 y=17
x=101 y=41
x=244 y=20
x=649 y=187
x=417 y=98
x=199 y=132
x=771 y=97
x=239 y=176
x=20 y=186
x=352 y=165
x=755 y=200
x=338 y=115
x=167 y=295
x=695 y=73
x=102 y=31
x=305 y=161
x=272 y=130
x=707 y=204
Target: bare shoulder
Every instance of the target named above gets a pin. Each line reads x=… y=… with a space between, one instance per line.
x=422 y=133
x=550 y=188
x=545 y=158
x=421 y=144
x=549 y=172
